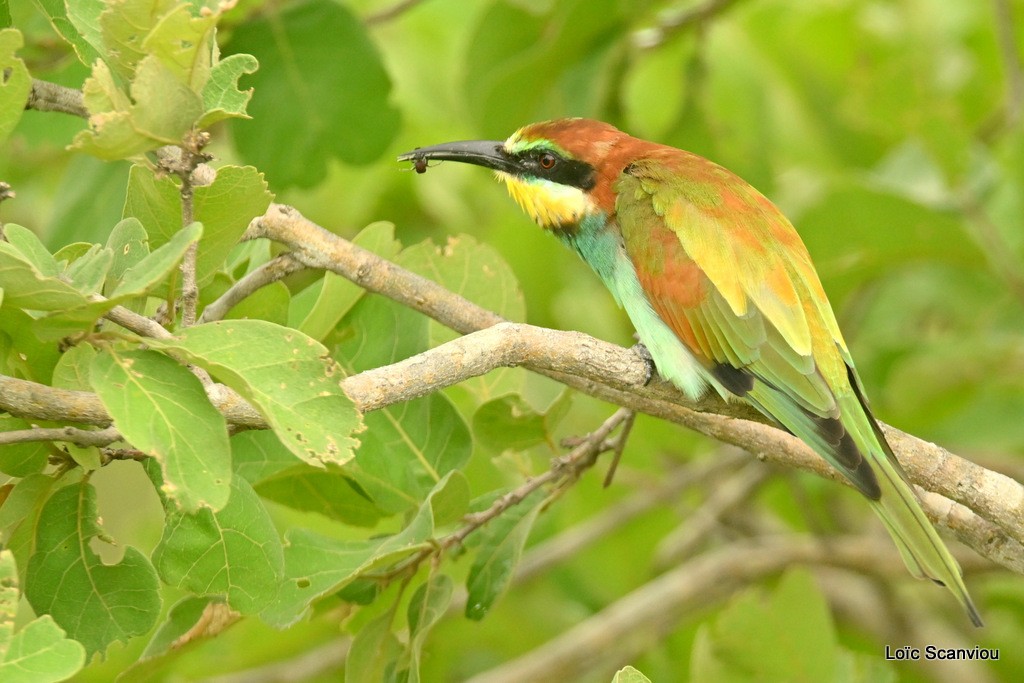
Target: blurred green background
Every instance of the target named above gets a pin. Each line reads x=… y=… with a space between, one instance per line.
x=888 y=131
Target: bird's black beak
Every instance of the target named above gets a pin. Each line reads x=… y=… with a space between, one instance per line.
x=487 y=153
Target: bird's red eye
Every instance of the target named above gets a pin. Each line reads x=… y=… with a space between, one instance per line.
x=547 y=161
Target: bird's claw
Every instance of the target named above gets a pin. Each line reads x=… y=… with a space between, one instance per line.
x=644 y=353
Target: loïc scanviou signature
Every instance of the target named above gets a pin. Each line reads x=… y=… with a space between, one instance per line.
x=934 y=652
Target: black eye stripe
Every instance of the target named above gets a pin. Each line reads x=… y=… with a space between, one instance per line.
x=560 y=170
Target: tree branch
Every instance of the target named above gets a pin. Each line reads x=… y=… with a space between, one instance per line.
x=597 y=368
x=613 y=374
x=46 y=96
x=82 y=437
x=271 y=271
x=625 y=629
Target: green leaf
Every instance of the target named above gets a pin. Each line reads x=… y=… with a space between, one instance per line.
x=26 y=355
x=287 y=376
x=89 y=271
x=507 y=85
x=234 y=552
x=225 y=208
x=500 y=547
x=130 y=244
x=258 y=454
x=428 y=605
x=95 y=603
x=66 y=294
x=79 y=24
x=221 y=97
x=352 y=119
x=189 y=622
x=181 y=618
x=270 y=303
x=478 y=272
x=72 y=369
x=26 y=287
x=19 y=516
x=69 y=252
x=373 y=652
x=155 y=202
x=153 y=268
x=408 y=447
x=327 y=492
x=510 y=423
x=39 y=652
x=469 y=267
x=21 y=459
x=785 y=636
x=161 y=408
x=15 y=82
x=337 y=295
x=317 y=565
x=125 y=25
x=165 y=109
x=32 y=249
x=185 y=44
x=88 y=200
x=160 y=111
x=629 y=675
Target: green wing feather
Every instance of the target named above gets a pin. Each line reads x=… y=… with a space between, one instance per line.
x=728 y=274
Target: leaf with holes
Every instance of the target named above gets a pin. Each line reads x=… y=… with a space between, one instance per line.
x=95 y=603
x=161 y=409
x=233 y=552
x=286 y=375
x=317 y=565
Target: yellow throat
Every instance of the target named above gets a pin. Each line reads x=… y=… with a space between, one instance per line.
x=549 y=204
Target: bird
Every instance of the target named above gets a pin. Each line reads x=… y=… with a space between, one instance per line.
x=722 y=293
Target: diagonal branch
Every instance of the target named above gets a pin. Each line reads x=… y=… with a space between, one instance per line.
x=983 y=508
x=616 y=375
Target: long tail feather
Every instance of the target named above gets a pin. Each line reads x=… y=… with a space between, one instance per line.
x=876 y=473
x=924 y=553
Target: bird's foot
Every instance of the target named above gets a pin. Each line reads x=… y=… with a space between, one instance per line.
x=644 y=353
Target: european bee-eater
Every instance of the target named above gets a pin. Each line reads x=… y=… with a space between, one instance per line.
x=721 y=291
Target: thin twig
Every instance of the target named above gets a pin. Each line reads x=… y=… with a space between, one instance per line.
x=390 y=13
x=1006 y=33
x=574 y=540
x=190 y=157
x=564 y=469
x=271 y=271
x=567 y=467
x=81 y=437
x=724 y=497
x=1001 y=256
x=132 y=321
x=673 y=23
x=618 y=446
